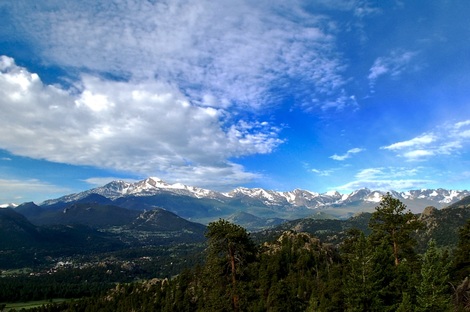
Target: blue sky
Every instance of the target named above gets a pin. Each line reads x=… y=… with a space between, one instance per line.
x=319 y=95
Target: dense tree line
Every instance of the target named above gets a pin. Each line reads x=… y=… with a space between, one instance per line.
x=97 y=277
x=297 y=272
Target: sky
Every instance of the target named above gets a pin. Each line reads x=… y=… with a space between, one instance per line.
x=318 y=95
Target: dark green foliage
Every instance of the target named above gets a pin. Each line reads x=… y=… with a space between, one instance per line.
x=92 y=214
x=461 y=269
x=24 y=244
x=394 y=257
x=443 y=225
x=360 y=286
x=294 y=273
x=230 y=251
x=433 y=289
x=71 y=283
x=391 y=223
x=461 y=266
x=327 y=230
x=298 y=272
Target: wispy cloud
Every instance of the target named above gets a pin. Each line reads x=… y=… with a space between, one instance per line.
x=173 y=89
x=419 y=141
x=323 y=173
x=218 y=53
x=387 y=178
x=100 y=181
x=392 y=65
x=347 y=155
x=17 y=191
x=443 y=140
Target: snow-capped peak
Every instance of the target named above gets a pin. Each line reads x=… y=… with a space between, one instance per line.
x=154 y=186
x=333 y=193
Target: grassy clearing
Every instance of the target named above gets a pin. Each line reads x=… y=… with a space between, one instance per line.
x=30 y=304
x=15 y=271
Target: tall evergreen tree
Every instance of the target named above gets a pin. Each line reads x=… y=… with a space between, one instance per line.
x=461 y=264
x=392 y=239
x=391 y=223
x=432 y=292
x=230 y=249
x=461 y=269
x=359 y=285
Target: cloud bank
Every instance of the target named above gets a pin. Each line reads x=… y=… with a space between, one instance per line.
x=148 y=127
x=220 y=53
x=168 y=88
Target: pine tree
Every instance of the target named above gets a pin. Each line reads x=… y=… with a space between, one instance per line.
x=230 y=249
x=461 y=269
x=394 y=257
x=461 y=264
x=390 y=222
x=358 y=284
x=432 y=292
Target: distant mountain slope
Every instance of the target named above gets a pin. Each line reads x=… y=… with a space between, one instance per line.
x=463 y=203
x=162 y=220
x=202 y=205
x=161 y=227
x=327 y=230
x=123 y=222
x=252 y=222
x=442 y=225
x=94 y=215
x=16 y=231
x=29 y=210
x=104 y=229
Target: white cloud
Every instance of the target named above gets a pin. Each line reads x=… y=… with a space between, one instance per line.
x=417 y=154
x=386 y=178
x=443 y=140
x=323 y=173
x=369 y=173
x=17 y=191
x=218 y=53
x=347 y=155
x=100 y=181
x=393 y=65
x=148 y=127
x=386 y=172
x=419 y=141
x=462 y=124
x=386 y=185
x=192 y=78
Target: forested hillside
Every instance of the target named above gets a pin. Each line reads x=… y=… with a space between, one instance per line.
x=381 y=271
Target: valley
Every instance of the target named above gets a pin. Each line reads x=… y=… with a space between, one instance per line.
x=82 y=245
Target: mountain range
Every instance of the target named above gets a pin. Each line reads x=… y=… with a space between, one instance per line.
x=252 y=207
x=153 y=214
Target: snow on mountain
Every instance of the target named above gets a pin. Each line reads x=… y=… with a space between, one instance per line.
x=289 y=200
x=148 y=187
x=269 y=198
x=440 y=196
x=10 y=205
